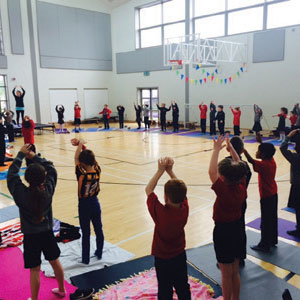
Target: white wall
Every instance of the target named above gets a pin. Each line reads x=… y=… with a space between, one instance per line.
x=271 y=85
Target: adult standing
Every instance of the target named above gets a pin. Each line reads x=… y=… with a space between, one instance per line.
x=163 y=112
x=121 y=110
x=203 y=116
x=175 y=115
x=19 y=97
x=138 y=111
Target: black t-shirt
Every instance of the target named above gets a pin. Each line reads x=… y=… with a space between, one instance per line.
x=19 y=99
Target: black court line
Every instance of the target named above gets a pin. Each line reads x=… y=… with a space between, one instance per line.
x=289 y=276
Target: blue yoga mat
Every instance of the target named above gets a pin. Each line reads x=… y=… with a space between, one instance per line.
x=92 y=129
x=3 y=175
x=289 y=209
x=9 y=213
x=81 y=130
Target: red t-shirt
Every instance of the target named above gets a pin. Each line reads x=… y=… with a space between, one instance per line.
x=236 y=117
x=28 y=133
x=293 y=120
x=169 y=236
x=229 y=202
x=266 y=170
x=77 y=112
x=203 y=111
x=283 y=115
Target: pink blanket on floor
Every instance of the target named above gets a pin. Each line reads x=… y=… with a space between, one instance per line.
x=14 y=279
x=144 y=286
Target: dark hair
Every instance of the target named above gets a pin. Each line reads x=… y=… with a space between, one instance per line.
x=267 y=150
x=238 y=144
x=232 y=171
x=33 y=149
x=176 y=190
x=87 y=157
x=35 y=175
x=221 y=106
x=284 y=109
x=26 y=124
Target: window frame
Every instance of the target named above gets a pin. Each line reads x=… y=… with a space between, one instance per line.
x=5 y=86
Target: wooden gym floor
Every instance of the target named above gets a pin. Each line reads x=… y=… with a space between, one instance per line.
x=128 y=160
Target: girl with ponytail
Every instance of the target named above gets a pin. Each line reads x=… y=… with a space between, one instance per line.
x=35 y=206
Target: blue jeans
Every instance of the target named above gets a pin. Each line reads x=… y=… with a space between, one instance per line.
x=89 y=210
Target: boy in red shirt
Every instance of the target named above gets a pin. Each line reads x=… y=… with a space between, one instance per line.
x=203 y=112
x=28 y=130
x=168 y=246
x=266 y=169
x=229 y=183
x=236 y=120
x=77 y=116
x=106 y=112
x=293 y=119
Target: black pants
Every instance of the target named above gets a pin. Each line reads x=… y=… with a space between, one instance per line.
x=212 y=128
x=106 y=122
x=175 y=123
x=147 y=123
x=221 y=128
x=20 y=113
x=2 y=152
x=294 y=201
x=244 y=236
x=139 y=123
x=163 y=124
x=121 y=121
x=236 y=130
x=203 y=125
x=172 y=273
x=269 y=221
x=10 y=131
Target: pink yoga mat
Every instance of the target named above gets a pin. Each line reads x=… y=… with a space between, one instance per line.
x=14 y=279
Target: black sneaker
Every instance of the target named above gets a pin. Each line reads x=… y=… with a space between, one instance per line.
x=295 y=233
x=286 y=295
x=82 y=294
x=260 y=248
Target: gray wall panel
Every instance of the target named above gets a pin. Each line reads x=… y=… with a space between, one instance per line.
x=15 y=25
x=147 y=59
x=3 y=62
x=72 y=38
x=269 y=46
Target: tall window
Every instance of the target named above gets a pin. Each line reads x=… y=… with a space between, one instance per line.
x=149 y=96
x=1 y=39
x=3 y=93
x=159 y=21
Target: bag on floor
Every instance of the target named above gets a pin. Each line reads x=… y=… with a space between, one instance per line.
x=68 y=233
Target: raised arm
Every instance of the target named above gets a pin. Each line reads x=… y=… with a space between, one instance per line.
x=23 y=91
x=56 y=108
x=162 y=162
x=158 y=107
x=168 y=109
x=249 y=157
x=284 y=147
x=14 y=91
x=169 y=167
x=213 y=166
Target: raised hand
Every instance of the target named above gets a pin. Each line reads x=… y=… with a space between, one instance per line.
x=25 y=149
x=162 y=164
x=170 y=164
x=218 y=143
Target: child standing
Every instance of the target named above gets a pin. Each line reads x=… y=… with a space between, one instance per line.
x=236 y=120
x=2 y=144
x=163 y=113
x=212 y=118
x=257 y=117
x=88 y=177
x=221 y=119
x=60 y=115
x=203 y=116
x=146 y=113
x=77 y=116
x=28 y=130
x=106 y=112
x=294 y=159
x=229 y=183
x=35 y=206
x=121 y=110
x=175 y=115
x=266 y=169
x=168 y=246
x=138 y=111
x=293 y=119
x=281 y=123
x=8 y=117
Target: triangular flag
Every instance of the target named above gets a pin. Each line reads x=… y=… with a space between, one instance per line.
x=181 y=76
x=213 y=74
x=242 y=69
x=196 y=81
x=207 y=74
x=244 y=65
x=203 y=71
x=192 y=81
x=216 y=70
x=217 y=80
x=225 y=80
x=186 y=79
x=208 y=78
x=200 y=65
x=234 y=76
x=229 y=79
x=177 y=72
x=212 y=78
x=171 y=67
x=221 y=80
x=200 y=81
x=238 y=73
x=205 y=80
x=197 y=67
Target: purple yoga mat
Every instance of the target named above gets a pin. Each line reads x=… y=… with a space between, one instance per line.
x=283 y=227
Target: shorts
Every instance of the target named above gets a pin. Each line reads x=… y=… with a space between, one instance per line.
x=77 y=121
x=35 y=245
x=228 y=241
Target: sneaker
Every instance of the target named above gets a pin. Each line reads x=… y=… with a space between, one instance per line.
x=82 y=294
x=260 y=248
x=98 y=256
x=286 y=295
x=295 y=233
x=57 y=293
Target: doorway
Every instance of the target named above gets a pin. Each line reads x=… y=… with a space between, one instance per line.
x=150 y=96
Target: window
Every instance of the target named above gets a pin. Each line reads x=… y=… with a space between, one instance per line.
x=211 y=26
x=245 y=20
x=3 y=93
x=207 y=7
x=232 y=4
x=283 y=14
x=157 y=22
x=149 y=96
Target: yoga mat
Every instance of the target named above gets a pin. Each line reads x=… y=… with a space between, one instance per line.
x=256 y=283
x=110 y=129
x=284 y=255
x=3 y=175
x=81 y=130
x=289 y=209
x=65 y=131
x=100 y=278
x=71 y=258
x=283 y=226
x=15 y=279
x=92 y=129
x=9 y=213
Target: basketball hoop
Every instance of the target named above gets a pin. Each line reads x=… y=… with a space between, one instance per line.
x=175 y=62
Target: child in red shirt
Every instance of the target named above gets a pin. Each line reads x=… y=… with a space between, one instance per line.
x=168 y=246
x=203 y=111
x=28 y=130
x=106 y=112
x=77 y=116
x=293 y=119
x=236 y=120
x=266 y=169
x=229 y=183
